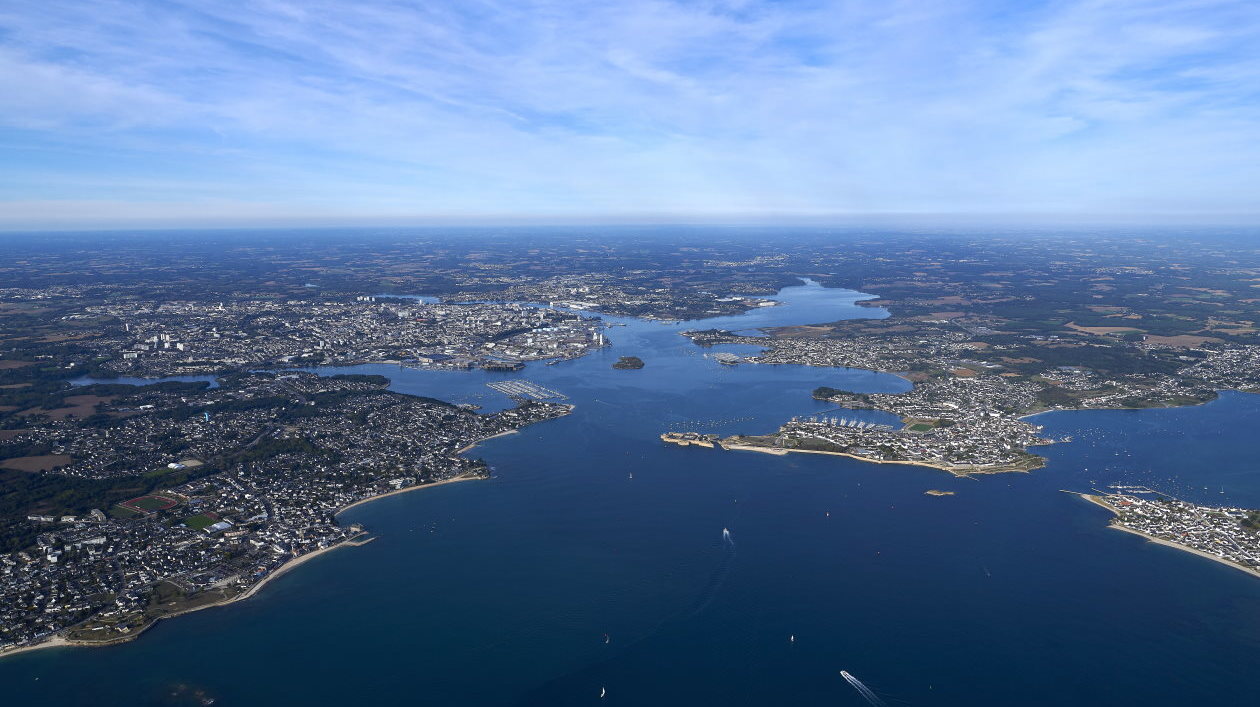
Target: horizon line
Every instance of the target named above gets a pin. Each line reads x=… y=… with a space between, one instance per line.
x=874 y=219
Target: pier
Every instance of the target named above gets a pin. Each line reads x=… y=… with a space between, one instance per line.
x=843 y=422
x=525 y=389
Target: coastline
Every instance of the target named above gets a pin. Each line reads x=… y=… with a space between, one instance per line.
x=357 y=540
x=961 y=472
x=405 y=489
x=687 y=442
x=1097 y=500
x=59 y=641
x=54 y=641
x=352 y=541
x=1215 y=396
x=474 y=445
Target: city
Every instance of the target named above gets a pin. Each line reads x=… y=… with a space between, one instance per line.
x=188 y=338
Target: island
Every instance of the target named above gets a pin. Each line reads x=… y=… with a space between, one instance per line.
x=628 y=363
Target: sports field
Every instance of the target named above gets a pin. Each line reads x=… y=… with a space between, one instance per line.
x=149 y=504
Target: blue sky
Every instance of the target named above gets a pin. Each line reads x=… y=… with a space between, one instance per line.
x=170 y=113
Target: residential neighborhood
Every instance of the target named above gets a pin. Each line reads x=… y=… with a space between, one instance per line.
x=269 y=458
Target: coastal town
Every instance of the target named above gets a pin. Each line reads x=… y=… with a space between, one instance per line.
x=192 y=337
x=125 y=504
x=268 y=459
x=966 y=410
x=620 y=296
x=1225 y=534
x=629 y=353
x=986 y=445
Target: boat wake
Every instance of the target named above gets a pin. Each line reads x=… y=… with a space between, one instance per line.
x=718 y=578
x=867 y=693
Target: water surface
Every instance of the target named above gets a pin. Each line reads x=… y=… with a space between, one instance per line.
x=502 y=592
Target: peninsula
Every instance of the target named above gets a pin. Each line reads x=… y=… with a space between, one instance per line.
x=194 y=496
x=825 y=438
x=1224 y=534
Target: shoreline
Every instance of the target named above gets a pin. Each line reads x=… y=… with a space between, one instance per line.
x=1097 y=500
x=478 y=442
x=54 y=641
x=957 y=472
x=357 y=540
x=352 y=541
x=59 y=641
x=405 y=489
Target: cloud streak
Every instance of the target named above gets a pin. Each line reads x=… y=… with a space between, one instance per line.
x=201 y=111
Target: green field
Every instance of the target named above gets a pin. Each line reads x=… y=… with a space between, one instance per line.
x=200 y=521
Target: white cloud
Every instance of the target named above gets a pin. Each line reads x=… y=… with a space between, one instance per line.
x=651 y=107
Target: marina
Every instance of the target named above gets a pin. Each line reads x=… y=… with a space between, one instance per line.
x=844 y=422
x=525 y=389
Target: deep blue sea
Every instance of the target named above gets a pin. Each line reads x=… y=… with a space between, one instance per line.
x=564 y=576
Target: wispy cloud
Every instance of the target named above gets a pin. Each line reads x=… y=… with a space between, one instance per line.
x=197 y=110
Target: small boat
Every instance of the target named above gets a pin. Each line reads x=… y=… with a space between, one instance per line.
x=602 y=693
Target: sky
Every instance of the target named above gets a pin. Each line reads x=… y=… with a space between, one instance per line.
x=207 y=113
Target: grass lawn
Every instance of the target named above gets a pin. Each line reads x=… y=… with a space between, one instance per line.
x=200 y=521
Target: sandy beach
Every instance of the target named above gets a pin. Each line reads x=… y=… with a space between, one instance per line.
x=1184 y=548
x=1161 y=541
x=50 y=642
x=406 y=489
x=474 y=444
